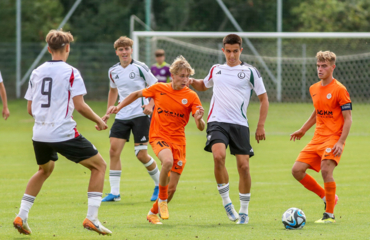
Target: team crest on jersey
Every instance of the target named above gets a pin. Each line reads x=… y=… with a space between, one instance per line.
x=184 y=101
x=328 y=96
x=328 y=150
x=132 y=75
x=241 y=75
x=179 y=163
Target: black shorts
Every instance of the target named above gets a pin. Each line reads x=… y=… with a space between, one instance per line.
x=139 y=126
x=76 y=150
x=235 y=135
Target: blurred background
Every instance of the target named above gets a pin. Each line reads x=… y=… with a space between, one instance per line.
x=286 y=64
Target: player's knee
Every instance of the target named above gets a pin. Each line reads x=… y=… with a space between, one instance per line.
x=219 y=159
x=114 y=152
x=243 y=168
x=298 y=172
x=46 y=172
x=167 y=163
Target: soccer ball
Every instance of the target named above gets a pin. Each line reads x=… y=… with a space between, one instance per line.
x=294 y=218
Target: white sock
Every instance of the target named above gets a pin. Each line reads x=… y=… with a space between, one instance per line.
x=93 y=204
x=324 y=199
x=154 y=174
x=244 y=202
x=330 y=214
x=160 y=200
x=224 y=192
x=114 y=179
x=26 y=204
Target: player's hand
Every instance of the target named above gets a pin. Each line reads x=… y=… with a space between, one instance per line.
x=297 y=135
x=338 y=149
x=101 y=125
x=199 y=113
x=190 y=82
x=6 y=113
x=112 y=109
x=260 y=134
x=147 y=109
x=105 y=118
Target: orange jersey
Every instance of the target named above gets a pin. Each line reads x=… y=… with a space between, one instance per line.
x=171 y=112
x=329 y=101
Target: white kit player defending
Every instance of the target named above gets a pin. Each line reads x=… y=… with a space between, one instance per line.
x=227 y=124
x=126 y=77
x=55 y=89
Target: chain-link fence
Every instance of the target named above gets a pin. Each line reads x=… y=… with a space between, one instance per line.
x=298 y=63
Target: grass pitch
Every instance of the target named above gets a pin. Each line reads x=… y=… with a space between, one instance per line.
x=196 y=212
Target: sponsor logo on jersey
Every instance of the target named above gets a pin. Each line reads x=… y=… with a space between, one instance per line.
x=117 y=77
x=163 y=71
x=325 y=113
x=170 y=114
x=328 y=150
x=219 y=72
x=241 y=75
x=179 y=163
x=328 y=96
x=162 y=93
x=184 y=101
x=132 y=75
x=313 y=95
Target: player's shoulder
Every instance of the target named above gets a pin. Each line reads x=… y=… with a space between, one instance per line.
x=339 y=85
x=140 y=65
x=114 y=67
x=315 y=85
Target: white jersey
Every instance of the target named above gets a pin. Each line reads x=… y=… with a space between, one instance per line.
x=134 y=77
x=51 y=88
x=232 y=90
x=1 y=78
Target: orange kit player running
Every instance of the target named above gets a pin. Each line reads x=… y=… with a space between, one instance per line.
x=333 y=119
x=173 y=104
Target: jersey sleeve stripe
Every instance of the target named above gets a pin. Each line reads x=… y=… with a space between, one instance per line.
x=142 y=65
x=110 y=75
x=210 y=76
x=71 y=80
x=252 y=78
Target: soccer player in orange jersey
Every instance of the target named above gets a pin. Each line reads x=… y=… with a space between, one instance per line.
x=174 y=102
x=333 y=119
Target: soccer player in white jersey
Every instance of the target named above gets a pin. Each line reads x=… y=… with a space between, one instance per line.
x=55 y=89
x=5 y=112
x=126 y=77
x=233 y=84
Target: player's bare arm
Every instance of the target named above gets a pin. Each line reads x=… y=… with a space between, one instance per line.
x=148 y=108
x=29 y=108
x=302 y=131
x=197 y=84
x=264 y=106
x=112 y=98
x=129 y=99
x=88 y=113
x=338 y=147
x=198 y=116
x=5 y=112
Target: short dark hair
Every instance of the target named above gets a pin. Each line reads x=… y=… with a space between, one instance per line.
x=232 y=39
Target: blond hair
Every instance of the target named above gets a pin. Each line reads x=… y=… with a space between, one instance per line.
x=326 y=56
x=179 y=64
x=58 y=39
x=123 y=42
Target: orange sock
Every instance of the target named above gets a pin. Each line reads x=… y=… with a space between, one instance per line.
x=311 y=184
x=163 y=192
x=155 y=207
x=330 y=189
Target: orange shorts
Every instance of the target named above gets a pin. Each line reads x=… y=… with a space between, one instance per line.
x=178 y=153
x=318 y=150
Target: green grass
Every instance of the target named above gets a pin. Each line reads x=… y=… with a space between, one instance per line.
x=196 y=211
